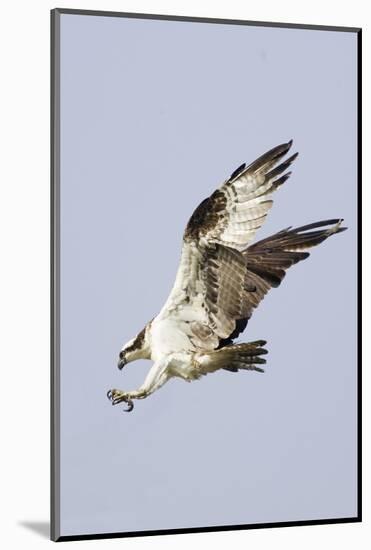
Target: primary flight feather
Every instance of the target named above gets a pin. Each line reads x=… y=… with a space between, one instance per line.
x=221 y=278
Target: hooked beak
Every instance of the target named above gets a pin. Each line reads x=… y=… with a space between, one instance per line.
x=121 y=363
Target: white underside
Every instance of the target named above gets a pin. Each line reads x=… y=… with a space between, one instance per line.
x=181 y=329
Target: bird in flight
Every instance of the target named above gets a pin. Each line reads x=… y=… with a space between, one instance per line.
x=221 y=279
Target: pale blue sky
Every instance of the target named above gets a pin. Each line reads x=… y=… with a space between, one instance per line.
x=154 y=116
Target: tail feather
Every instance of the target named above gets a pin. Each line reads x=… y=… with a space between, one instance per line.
x=243 y=356
x=234 y=358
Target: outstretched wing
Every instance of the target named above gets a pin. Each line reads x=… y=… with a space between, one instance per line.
x=220 y=281
x=234 y=212
x=267 y=261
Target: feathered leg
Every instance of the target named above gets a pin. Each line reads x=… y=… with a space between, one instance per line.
x=156 y=377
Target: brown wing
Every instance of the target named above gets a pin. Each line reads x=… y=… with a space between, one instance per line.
x=266 y=263
x=219 y=230
x=234 y=212
x=220 y=281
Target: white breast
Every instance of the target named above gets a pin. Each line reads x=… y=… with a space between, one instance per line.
x=169 y=336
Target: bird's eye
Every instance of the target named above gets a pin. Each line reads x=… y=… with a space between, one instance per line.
x=122 y=353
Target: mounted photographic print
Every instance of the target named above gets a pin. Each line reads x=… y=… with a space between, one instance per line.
x=205 y=274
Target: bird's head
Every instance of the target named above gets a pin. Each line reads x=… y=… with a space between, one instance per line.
x=136 y=348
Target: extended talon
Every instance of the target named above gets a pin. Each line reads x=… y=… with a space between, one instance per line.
x=130 y=405
x=117 y=396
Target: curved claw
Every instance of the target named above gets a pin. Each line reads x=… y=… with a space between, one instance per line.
x=130 y=405
x=109 y=395
x=116 y=399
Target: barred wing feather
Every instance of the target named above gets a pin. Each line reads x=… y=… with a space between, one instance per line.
x=222 y=277
x=234 y=212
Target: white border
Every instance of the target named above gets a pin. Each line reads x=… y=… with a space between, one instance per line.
x=24 y=225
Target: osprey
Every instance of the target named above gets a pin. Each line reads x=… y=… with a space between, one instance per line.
x=221 y=279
